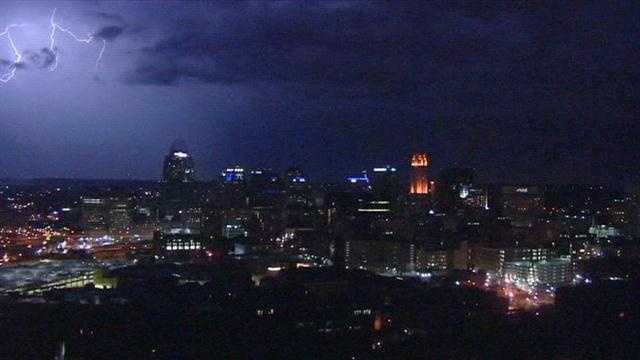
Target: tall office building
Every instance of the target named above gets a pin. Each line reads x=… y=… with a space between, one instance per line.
x=294 y=178
x=386 y=183
x=105 y=213
x=178 y=165
x=420 y=184
x=521 y=205
x=263 y=180
x=180 y=205
x=119 y=214
x=358 y=182
x=94 y=214
x=299 y=206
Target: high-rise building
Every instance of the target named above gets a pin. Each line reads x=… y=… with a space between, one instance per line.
x=94 y=214
x=358 y=182
x=521 y=205
x=553 y=271
x=300 y=206
x=266 y=196
x=178 y=165
x=454 y=184
x=386 y=183
x=235 y=225
x=178 y=242
x=105 y=213
x=420 y=184
x=494 y=257
x=263 y=179
x=180 y=205
x=295 y=178
x=119 y=214
x=265 y=188
x=234 y=175
x=474 y=197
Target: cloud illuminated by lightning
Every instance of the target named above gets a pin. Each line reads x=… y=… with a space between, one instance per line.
x=5 y=77
x=55 y=28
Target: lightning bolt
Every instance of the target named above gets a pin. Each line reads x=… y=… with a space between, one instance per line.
x=55 y=28
x=6 y=77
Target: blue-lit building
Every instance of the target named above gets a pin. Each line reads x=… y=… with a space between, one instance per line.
x=358 y=182
x=234 y=175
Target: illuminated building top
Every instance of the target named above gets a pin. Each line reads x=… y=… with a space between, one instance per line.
x=178 y=164
x=420 y=160
x=233 y=175
x=181 y=154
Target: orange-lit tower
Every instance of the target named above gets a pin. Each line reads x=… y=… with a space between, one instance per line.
x=420 y=184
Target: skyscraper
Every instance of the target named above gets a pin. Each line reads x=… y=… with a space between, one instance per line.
x=420 y=184
x=178 y=165
x=386 y=183
x=180 y=207
x=294 y=178
x=359 y=182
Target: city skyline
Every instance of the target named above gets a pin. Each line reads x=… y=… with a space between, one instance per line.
x=179 y=154
x=404 y=170
x=319 y=179
x=519 y=92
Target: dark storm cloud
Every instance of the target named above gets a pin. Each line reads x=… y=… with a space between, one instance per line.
x=112 y=17
x=155 y=75
x=116 y=26
x=275 y=44
x=512 y=84
x=109 y=33
x=31 y=59
x=136 y=30
x=398 y=47
x=372 y=48
x=40 y=59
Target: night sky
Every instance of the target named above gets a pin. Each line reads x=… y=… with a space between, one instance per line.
x=520 y=92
